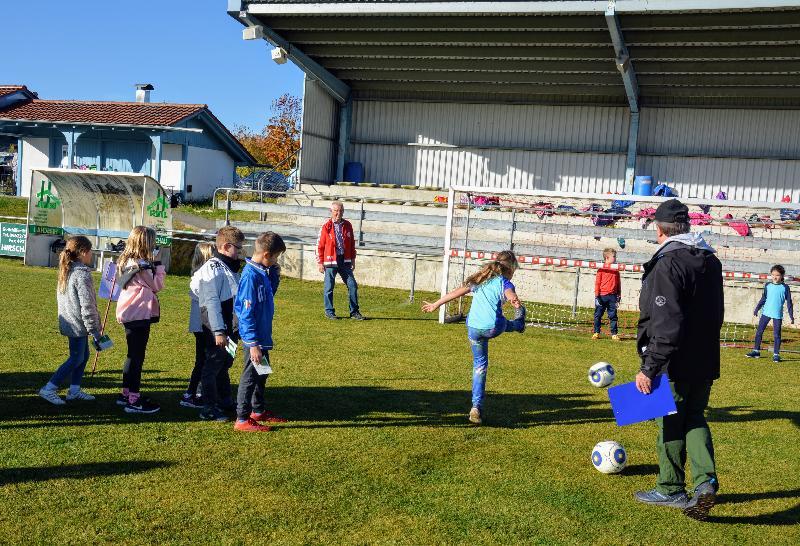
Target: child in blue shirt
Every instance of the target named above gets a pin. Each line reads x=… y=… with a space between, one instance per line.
x=490 y=287
x=776 y=293
x=254 y=306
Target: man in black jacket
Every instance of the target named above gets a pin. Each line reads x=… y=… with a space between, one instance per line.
x=681 y=314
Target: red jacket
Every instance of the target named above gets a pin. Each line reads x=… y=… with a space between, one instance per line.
x=607 y=282
x=326 y=244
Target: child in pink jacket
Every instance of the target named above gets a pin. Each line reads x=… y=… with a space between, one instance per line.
x=140 y=278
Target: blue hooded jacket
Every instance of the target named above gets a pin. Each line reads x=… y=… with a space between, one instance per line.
x=254 y=304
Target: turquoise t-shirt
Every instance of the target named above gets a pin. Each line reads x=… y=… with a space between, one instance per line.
x=487 y=303
x=776 y=298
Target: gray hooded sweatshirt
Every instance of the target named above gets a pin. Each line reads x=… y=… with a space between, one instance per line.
x=77 y=306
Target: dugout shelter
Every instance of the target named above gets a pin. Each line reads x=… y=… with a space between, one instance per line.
x=104 y=206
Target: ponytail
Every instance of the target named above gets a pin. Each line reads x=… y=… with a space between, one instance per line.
x=504 y=264
x=74 y=248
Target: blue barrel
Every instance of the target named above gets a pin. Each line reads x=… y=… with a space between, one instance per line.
x=643 y=185
x=354 y=172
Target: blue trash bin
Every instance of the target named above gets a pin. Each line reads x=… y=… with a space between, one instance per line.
x=354 y=172
x=643 y=185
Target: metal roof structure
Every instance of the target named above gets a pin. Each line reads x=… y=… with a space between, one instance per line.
x=636 y=52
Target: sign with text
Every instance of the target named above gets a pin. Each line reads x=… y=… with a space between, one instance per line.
x=12 y=239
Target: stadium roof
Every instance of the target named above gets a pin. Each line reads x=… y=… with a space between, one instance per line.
x=683 y=52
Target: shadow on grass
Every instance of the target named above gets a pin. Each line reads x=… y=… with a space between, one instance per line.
x=790 y=516
x=309 y=407
x=739 y=414
x=640 y=470
x=76 y=471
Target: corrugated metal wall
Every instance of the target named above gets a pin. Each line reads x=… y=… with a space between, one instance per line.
x=496 y=145
x=318 y=141
x=748 y=154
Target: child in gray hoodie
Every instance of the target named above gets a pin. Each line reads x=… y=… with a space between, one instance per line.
x=77 y=319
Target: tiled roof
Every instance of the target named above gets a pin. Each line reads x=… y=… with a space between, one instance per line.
x=8 y=89
x=123 y=113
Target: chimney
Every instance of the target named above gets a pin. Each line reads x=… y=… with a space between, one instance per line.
x=143 y=92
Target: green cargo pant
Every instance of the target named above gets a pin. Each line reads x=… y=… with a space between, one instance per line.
x=685 y=432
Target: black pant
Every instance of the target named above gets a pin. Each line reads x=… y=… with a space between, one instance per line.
x=251 y=389
x=215 y=372
x=199 y=360
x=137 y=338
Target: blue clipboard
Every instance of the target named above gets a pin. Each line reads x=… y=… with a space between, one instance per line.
x=630 y=406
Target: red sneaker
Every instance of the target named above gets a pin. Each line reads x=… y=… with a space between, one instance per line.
x=250 y=426
x=267 y=416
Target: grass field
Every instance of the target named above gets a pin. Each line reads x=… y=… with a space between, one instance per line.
x=378 y=449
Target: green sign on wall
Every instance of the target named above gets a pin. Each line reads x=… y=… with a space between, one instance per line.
x=12 y=239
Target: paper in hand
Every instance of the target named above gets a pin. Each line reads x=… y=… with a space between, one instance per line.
x=263 y=368
x=231 y=348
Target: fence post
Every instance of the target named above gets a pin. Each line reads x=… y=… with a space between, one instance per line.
x=513 y=225
x=228 y=207
x=361 y=224
x=577 y=288
x=413 y=278
x=466 y=243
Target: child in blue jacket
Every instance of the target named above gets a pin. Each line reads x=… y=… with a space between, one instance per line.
x=776 y=293
x=255 y=307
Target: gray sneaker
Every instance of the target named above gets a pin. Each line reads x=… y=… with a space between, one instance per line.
x=213 y=414
x=676 y=500
x=520 y=314
x=703 y=500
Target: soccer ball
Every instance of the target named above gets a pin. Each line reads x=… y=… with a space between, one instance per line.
x=601 y=374
x=609 y=457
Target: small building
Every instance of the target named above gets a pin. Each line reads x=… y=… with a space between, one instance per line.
x=183 y=146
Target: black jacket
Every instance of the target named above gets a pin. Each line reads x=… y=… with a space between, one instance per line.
x=681 y=310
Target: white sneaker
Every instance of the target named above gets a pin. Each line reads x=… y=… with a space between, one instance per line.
x=51 y=396
x=80 y=395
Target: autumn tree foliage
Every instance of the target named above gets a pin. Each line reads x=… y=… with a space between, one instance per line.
x=278 y=142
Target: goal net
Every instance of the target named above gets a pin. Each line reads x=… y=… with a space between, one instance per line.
x=559 y=241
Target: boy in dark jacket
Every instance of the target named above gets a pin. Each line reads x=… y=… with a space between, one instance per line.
x=255 y=308
x=215 y=285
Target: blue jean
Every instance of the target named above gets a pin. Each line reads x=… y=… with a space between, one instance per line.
x=603 y=304
x=776 y=330
x=346 y=272
x=75 y=363
x=479 y=342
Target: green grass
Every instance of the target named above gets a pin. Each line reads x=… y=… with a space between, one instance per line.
x=206 y=210
x=13 y=206
x=378 y=449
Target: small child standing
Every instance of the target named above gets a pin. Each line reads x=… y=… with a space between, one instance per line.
x=490 y=287
x=141 y=278
x=255 y=308
x=190 y=399
x=77 y=318
x=215 y=284
x=607 y=294
x=776 y=293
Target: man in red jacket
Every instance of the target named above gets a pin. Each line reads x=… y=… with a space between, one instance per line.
x=336 y=253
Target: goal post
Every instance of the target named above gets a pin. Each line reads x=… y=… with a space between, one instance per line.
x=559 y=239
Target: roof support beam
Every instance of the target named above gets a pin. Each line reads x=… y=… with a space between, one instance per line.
x=625 y=67
x=255 y=30
x=623 y=59
x=343 y=143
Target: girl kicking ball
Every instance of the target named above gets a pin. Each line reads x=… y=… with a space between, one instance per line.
x=490 y=287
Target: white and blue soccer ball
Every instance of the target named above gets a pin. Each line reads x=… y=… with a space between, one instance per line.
x=601 y=374
x=609 y=457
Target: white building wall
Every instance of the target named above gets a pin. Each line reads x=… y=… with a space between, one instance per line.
x=207 y=170
x=35 y=154
x=171 y=166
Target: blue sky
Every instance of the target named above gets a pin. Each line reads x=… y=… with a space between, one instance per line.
x=190 y=50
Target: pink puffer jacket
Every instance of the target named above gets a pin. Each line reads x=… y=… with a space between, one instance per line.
x=138 y=300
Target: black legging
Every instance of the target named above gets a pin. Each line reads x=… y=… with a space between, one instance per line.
x=199 y=360
x=137 y=338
